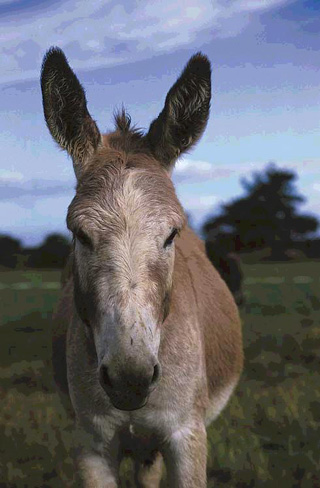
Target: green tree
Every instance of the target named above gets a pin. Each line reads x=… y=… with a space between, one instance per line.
x=10 y=249
x=53 y=253
x=266 y=216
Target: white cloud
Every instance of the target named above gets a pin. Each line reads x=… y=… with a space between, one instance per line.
x=96 y=34
x=197 y=171
x=198 y=206
x=8 y=176
x=44 y=216
x=316 y=187
x=197 y=203
x=193 y=171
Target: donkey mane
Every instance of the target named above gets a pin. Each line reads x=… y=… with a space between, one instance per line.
x=123 y=123
x=127 y=138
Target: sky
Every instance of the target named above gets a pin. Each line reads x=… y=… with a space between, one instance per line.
x=265 y=83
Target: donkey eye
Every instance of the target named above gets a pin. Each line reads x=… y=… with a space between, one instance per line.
x=83 y=238
x=169 y=240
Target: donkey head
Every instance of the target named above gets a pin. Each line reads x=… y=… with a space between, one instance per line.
x=124 y=218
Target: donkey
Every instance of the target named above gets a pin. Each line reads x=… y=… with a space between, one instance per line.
x=153 y=346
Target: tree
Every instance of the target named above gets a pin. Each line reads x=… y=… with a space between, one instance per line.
x=266 y=216
x=53 y=253
x=10 y=249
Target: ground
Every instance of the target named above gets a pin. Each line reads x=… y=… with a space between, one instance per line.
x=269 y=432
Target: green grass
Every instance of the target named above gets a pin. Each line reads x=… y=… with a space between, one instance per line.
x=26 y=292
x=267 y=435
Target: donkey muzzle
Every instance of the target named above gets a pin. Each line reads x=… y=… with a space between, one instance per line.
x=129 y=388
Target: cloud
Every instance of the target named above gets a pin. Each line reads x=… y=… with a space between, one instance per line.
x=99 y=34
x=193 y=171
x=316 y=187
x=188 y=170
x=199 y=202
x=13 y=189
x=32 y=223
x=198 y=206
x=8 y=176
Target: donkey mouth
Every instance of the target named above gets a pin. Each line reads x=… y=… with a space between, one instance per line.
x=128 y=404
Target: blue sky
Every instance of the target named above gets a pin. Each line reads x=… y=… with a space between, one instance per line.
x=266 y=104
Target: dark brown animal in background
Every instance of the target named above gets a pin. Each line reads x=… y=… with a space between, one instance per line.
x=228 y=264
x=153 y=349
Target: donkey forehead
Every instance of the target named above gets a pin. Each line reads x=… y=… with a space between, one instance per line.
x=122 y=191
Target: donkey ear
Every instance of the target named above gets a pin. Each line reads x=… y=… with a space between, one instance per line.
x=65 y=109
x=185 y=114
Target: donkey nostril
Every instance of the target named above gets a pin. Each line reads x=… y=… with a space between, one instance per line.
x=156 y=374
x=104 y=377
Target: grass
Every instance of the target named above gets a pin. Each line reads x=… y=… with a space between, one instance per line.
x=267 y=435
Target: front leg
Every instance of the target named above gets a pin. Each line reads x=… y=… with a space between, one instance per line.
x=186 y=457
x=97 y=471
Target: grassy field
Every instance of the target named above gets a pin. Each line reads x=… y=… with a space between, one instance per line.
x=268 y=434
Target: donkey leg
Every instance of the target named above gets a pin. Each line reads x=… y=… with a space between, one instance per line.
x=186 y=457
x=97 y=471
x=149 y=472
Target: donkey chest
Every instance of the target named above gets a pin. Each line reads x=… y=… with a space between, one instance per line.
x=147 y=426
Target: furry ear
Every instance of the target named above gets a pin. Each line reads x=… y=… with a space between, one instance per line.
x=65 y=109
x=185 y=113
